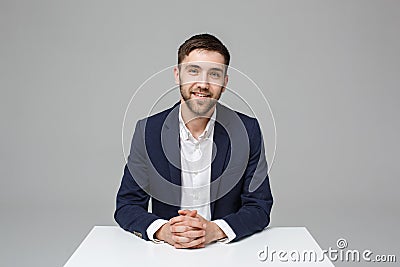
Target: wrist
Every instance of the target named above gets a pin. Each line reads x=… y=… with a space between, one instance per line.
x=218 y=233
x=159 y=234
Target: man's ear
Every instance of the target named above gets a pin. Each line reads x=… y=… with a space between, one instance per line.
x=176 y=75
x=225 y=83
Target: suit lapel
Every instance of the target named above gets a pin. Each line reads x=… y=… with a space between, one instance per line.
x=171 y=145
x=170 y=148
x=221 y=144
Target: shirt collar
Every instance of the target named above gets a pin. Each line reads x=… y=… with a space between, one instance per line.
x=185 y=132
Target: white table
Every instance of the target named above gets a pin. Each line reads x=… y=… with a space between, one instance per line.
x=112 y=246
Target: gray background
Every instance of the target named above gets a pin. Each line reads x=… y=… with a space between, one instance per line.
x=68 y=69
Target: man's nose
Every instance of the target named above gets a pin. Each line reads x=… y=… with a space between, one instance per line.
x=203 y=82
x=203 y=85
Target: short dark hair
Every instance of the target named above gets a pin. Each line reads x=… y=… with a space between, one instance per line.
x=204 y=41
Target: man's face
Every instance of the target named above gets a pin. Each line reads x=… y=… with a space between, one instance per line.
x=202 y=79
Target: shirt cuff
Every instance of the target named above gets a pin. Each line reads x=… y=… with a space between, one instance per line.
x=226 y=229
x=153 y=228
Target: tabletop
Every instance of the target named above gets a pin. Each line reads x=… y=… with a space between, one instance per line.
x=275 y=246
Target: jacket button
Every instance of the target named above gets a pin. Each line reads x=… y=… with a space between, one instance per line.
x=137 y=234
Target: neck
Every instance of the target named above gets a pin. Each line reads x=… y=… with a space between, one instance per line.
x=195 y=123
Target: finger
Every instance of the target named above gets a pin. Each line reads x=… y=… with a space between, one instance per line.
x=183 y=218
x=187 y=225
x=181 y=239
x=200 y=217
x=197 y=243
x=192 y=233
x=190 y=244
x=183 y=212
x=190 y=213
x=200 y=246
x=179 y=246
x=179 y=229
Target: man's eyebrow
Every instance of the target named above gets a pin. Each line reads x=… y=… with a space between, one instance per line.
x=192 y=66
x=217 y=69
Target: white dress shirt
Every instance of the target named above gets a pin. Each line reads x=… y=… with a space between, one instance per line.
x=196 y=159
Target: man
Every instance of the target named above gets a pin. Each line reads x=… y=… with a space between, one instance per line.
x=202 y=164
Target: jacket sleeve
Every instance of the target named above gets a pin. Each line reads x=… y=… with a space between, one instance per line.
x=256 y=197
x=132 y=200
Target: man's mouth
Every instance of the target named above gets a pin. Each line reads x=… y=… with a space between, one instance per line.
x=200 y=95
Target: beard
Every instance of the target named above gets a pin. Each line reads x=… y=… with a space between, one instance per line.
x=199 y=106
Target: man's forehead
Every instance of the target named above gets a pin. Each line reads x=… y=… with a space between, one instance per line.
x=204 y=56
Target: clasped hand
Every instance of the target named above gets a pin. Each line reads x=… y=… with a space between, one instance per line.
x=189 y=230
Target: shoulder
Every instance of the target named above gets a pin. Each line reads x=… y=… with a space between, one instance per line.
x=228 y=113
x=158 y=118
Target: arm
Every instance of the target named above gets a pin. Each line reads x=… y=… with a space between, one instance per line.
x=132 y=201
x=254 y=214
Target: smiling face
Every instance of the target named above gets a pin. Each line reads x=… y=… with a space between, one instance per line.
x=202 y=79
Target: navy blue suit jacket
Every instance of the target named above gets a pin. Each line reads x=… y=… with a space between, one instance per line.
x=240 y=187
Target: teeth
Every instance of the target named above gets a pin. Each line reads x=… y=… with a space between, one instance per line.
x=201 y=95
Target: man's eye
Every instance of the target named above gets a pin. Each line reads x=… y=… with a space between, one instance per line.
x=215 y=74
x=193 y=71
